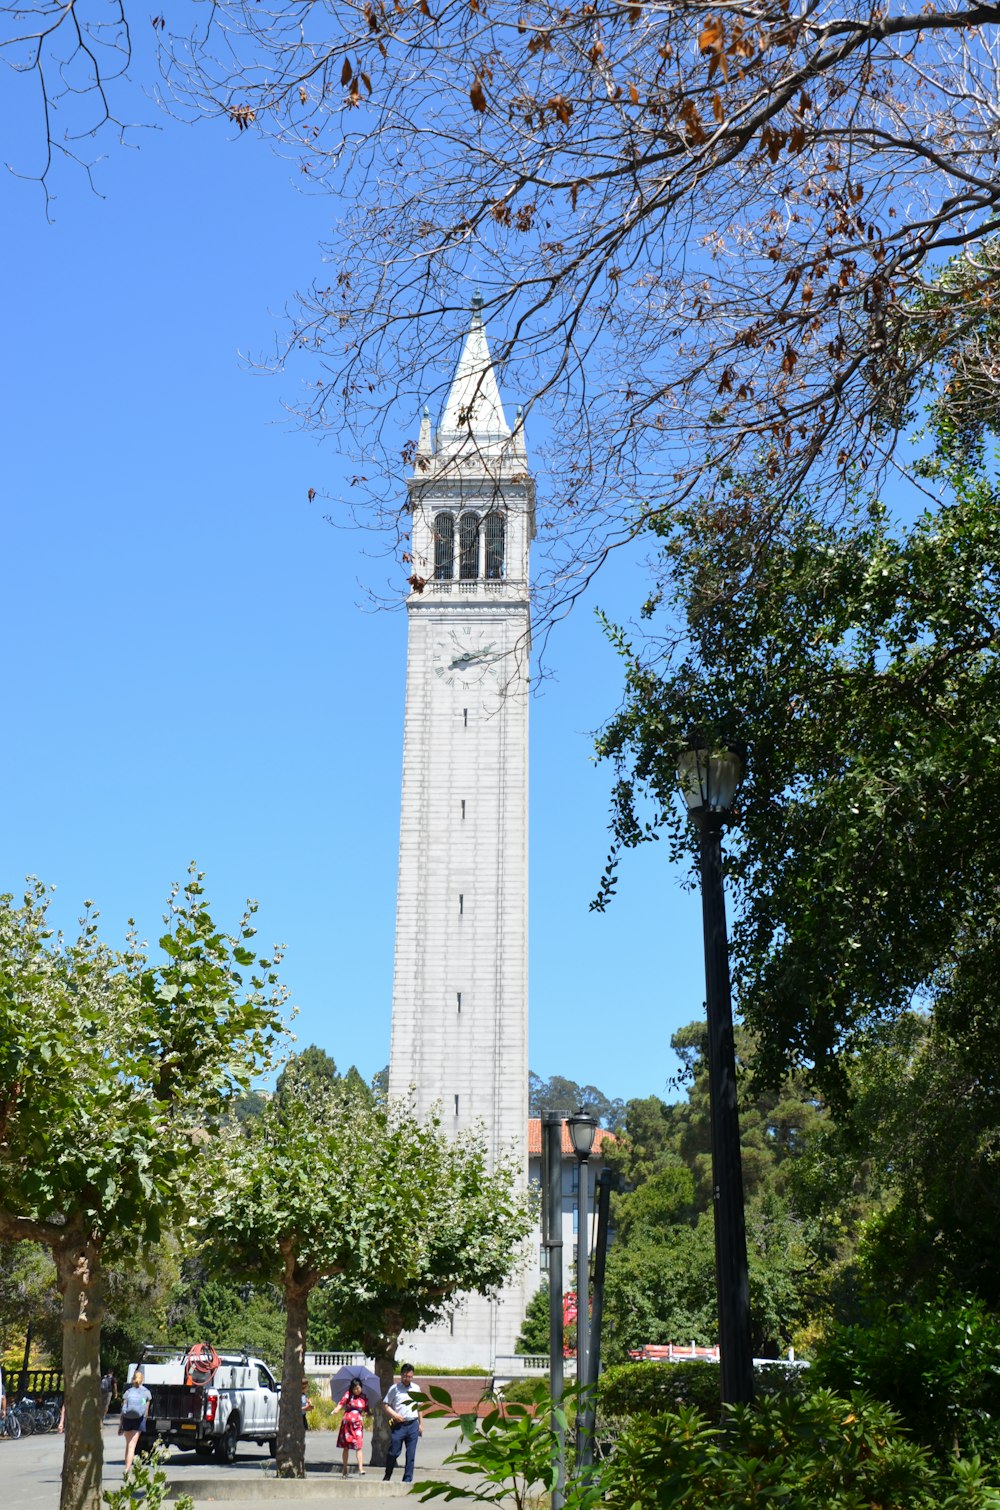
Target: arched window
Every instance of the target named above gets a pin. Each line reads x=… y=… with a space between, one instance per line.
x=468 y=546
x=444 y=547
x=493 y=529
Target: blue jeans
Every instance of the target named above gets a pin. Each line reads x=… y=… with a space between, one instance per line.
x=403 y=1435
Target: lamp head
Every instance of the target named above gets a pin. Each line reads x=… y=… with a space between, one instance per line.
x=709 y=773
x=582 y=1130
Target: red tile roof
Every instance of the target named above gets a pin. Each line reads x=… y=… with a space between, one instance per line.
x=535 y=1138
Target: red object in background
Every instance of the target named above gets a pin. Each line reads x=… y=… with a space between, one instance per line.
x=201 y=1363
x=569 y=1308
x=672 y=1352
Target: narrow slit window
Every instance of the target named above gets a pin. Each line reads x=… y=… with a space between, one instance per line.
x=456 y=1106
x=468 y=546
x=465 y=718
x=494 y=530
x=463 y=807
x=458 y=995
x=461 y=904
x=444 y=547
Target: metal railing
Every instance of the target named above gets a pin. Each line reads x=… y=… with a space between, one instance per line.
x=319 y=1363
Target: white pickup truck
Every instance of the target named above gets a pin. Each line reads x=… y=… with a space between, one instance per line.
x=238 y=1402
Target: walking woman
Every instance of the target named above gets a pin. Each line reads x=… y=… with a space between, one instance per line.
x=352 y=1428
x=135 y=1408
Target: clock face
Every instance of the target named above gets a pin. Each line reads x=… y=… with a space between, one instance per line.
x=464 y=656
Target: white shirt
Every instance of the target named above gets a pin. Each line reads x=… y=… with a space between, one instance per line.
x=398 y=1400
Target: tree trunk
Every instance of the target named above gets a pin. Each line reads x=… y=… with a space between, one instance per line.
x=80 y=1280
x=291 y=1427
x=383 y=1351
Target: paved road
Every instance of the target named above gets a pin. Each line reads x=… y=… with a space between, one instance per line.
x=29 y=1474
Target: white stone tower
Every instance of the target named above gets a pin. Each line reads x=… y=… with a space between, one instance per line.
x=460 y=995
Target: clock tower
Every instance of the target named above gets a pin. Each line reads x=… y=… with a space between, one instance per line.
x=460 y=994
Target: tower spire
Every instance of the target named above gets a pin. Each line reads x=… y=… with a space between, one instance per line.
x=473 y=416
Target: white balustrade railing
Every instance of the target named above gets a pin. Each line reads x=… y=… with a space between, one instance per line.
x=328 y=1363
x=527 y=1365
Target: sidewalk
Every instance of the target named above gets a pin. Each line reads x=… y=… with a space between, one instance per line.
x=247 y=1486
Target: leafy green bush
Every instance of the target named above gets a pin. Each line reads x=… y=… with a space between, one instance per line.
x=524 y=1391
x=937 y=1365
x=817 y=1452
x=649 y=1388
x=504 y=1457
x=821 y=1452
x=432 y=1371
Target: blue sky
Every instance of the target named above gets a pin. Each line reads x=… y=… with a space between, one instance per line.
x=192 y=670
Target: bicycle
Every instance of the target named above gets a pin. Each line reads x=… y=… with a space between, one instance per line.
x=10 y=1426
x=43 y=1417
x=24 y=1411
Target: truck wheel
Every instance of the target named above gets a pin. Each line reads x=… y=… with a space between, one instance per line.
x=226 y=1448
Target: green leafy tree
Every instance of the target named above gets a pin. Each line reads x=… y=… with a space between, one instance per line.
x=937 y=1365
x=467 y=1239
x=534 y=1334
x=311 y=1071
x=28 y=1295
x=115 y=1074
x=329 y=1182
x=661 y=1269
x=902 y=1186
x=227 y=1314
x=329 y=1330
x=558 y=1094
x=858 y=663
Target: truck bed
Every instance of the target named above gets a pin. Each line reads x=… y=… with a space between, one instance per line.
x=176 y=1402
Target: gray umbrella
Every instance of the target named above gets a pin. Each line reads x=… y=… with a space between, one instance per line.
x=345 y=1377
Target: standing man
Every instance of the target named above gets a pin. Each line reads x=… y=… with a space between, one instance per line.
x=109 y=1388
x=406 y=1423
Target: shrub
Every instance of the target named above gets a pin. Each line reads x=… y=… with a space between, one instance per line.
x=817 y=1452
x=532 y=1391
x=432 y=1371
x=937 y=1365
x=650 y=1388
x=820 y=1452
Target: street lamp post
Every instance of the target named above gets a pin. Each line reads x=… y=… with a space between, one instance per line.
x=552 y=1207
x=709 y=778
x=582 y=1129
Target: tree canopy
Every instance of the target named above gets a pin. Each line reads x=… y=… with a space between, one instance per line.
x=331 y=1183
x=557 y=1094
x=860 y=671
x=115 y=1073
x=744 y=209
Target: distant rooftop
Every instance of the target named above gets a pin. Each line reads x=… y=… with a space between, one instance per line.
x=535 y=1138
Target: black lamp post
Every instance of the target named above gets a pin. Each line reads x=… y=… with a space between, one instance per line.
x=552 y=1216
x=709 y=778
x=582 y=1129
